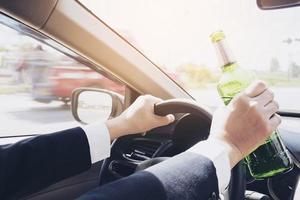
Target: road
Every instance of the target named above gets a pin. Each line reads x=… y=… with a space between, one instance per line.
x=20 y=115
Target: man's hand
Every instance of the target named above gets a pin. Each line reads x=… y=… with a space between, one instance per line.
x=247 y=121
x=138 y=118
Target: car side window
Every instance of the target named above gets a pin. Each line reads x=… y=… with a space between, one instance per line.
x=36 y=82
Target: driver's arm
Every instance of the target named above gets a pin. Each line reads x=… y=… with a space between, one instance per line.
x=35 y=163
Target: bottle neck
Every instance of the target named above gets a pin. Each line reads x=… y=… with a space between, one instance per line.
x=225 y=57
x=229 y=67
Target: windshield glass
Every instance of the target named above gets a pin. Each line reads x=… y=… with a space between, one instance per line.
x=175 y=35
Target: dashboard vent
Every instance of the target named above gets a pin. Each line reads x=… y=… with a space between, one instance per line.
x=141 y=150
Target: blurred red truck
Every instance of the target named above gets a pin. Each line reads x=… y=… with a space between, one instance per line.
x=57 y=83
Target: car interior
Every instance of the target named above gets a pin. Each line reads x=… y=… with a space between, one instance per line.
x=90 y=41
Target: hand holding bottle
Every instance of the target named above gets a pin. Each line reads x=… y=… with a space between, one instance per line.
x=247 y=121
x=271 y=158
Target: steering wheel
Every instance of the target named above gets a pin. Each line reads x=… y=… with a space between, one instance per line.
x=236 y=189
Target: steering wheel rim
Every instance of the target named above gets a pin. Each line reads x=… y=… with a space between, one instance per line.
x=236 y=188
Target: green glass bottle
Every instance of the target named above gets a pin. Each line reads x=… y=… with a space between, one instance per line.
x=271 y=158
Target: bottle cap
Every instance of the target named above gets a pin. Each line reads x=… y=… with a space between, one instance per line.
x=217 y=36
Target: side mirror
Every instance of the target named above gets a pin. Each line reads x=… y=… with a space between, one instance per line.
x=276 y=4
x=91 y=104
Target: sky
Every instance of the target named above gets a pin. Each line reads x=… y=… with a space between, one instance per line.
x=175 y=32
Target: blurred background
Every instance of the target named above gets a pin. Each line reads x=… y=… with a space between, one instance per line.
x=36 y=80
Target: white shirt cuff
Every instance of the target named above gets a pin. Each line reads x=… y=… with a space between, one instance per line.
x=99 y=141
x=216 y=151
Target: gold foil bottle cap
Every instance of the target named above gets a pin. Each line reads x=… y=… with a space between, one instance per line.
x=217 y=36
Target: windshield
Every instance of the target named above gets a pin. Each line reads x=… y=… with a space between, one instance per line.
x=175 y=35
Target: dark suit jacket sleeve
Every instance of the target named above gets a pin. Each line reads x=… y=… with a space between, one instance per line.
x=34 y=163
x=188 y=176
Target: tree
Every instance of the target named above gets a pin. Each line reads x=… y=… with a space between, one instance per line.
x=197 y=76
x=294 y=70
x=274 y=65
